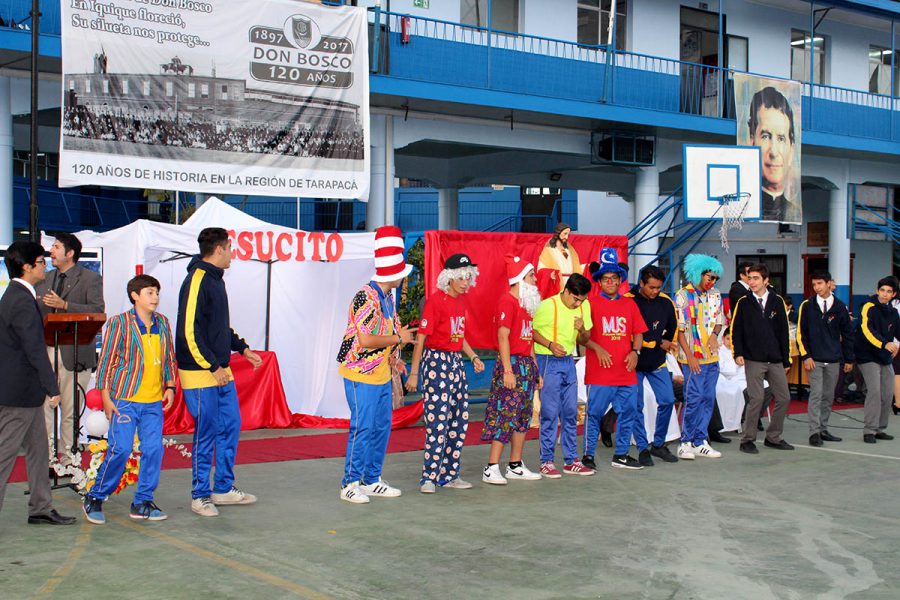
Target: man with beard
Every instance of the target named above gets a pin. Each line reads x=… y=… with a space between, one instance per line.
x=701 y=317
x=561 y=323
x=509 y=405
x=615 y=347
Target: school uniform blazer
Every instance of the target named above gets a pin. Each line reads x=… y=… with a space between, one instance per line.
x=121 y=364
x=825 y=337
x=761 y=334
x=24 y=367
x=83 y=290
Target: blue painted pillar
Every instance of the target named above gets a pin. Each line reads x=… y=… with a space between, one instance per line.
x=839 y=242
x=448 y=208
x=6 y=161
x=646 y=199
x=380 y=207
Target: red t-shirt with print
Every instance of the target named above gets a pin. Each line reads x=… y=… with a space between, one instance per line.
x=511 y=315
x=444 y=322
x=615 y=322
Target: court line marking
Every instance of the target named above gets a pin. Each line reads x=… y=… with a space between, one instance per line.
x=851 y=452
x=269 y=578
x=65 y=569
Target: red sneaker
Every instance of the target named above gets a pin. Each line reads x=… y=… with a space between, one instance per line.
x=548 y=470
x=577 y=468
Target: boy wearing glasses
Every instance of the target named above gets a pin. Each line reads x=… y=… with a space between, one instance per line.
x=615 y=347
x=701 y=317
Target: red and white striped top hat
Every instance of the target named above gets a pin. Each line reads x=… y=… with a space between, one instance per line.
x=389 y=262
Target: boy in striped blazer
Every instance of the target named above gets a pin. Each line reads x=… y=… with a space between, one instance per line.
x=136 y=377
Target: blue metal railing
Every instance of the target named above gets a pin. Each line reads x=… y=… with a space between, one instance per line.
x=333 y=215
x=419 y=48
x=72 y=210
x=19 y=12
x=882 y=220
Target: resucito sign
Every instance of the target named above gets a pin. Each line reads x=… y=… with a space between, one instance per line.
x=298 y=246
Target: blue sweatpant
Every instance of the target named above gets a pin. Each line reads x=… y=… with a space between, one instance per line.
x=370 y=429
x=559 y=406
x=699 y=400
x=661 y=384
x=624 y=401
x=217 y=428
x=147 y=420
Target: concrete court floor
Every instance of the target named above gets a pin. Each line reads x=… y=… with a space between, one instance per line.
x=813 y=523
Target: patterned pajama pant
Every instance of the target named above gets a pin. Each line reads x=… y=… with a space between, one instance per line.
x=446 y=400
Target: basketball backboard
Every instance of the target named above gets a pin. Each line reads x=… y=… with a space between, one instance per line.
x=712 y=173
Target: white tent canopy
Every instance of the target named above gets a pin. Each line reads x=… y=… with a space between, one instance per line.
x=310 y=294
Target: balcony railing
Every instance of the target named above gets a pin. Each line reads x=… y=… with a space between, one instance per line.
x=436 y=51
x=18 y=12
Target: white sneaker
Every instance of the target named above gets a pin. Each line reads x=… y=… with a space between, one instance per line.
x=353 y=493
x=704 y=450
x=686 y=451
x=491 y=474
x=521 y=472
x=204 y=507
x=458 y=484
x=380 y=488
x=427 y=487
x=233 y=496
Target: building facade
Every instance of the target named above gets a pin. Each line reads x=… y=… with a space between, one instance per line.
x=486 y=114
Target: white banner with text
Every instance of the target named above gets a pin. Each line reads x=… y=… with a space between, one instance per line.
x=216 y=96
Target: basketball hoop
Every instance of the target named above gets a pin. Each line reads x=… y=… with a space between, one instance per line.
x=732 y=211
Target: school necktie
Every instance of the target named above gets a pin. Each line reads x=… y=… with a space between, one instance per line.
x=761 y=306
x=60 y=284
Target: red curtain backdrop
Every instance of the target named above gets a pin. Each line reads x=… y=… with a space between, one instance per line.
x=487 y=251
x=263 y=403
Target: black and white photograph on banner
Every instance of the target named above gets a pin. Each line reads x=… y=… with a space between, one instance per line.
x=207 y=98
x=769 y=116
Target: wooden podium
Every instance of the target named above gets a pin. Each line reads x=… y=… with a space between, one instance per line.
x=70 y=329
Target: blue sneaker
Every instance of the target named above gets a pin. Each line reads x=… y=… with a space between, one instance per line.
x=147 y=511
x=93 y=510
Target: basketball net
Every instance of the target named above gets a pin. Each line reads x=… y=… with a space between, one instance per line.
x=732 y=210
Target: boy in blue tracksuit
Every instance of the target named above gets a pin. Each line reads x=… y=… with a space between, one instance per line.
x=876 y=347
x=203 y=345
x=825 y=340
x=659 y=315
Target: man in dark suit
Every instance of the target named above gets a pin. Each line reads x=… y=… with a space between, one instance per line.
x=740 y=287
x=27 y=378
x=74 y=289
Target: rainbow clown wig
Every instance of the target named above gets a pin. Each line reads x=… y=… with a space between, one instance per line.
x=696 y=265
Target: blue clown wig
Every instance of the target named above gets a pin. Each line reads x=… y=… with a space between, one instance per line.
x=695 y=265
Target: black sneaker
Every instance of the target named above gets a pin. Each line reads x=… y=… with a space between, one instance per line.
x=869 y=438
x=645 y=459
x=625 y=461
x=883 y=436
x=588 y=461
x=663 y=453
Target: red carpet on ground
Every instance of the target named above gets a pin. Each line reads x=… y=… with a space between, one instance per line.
x=333 y=445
